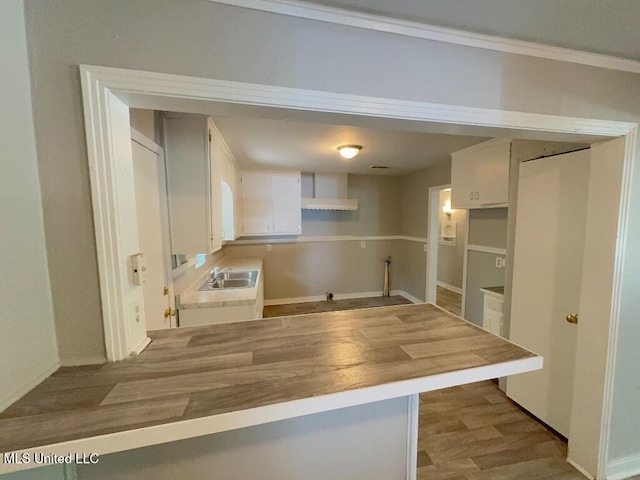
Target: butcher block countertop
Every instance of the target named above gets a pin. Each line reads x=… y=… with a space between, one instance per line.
x=201 y=380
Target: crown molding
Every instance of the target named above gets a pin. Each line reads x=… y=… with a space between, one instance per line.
x=340 y=16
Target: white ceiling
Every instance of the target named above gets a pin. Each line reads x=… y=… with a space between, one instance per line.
x=600 y=26
x=312 y=147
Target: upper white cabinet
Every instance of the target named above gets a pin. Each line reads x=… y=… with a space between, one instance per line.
x=271 y=203
x=198 y=161
x=480 y=175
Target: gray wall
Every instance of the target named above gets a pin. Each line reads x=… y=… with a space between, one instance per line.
x=313 y=268
x=415 y=197
x=215 y=41
x=379 y=203
x=451 y=257
x=487 y=228
x=53 y=472
x=27 y=343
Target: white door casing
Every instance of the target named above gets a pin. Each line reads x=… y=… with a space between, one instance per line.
x=547 y=276
x=151 y=207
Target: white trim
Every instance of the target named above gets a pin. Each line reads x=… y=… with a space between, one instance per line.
x=624 y=468
x=140 y=348
x=88 y=360
x=324 y=238
x=406 y=295
x=433 y=234
x=16 y=394
x=464 y=267
x=408 y=28
x=578 y=467
x=321 y=298
x=413 y=410
x=485 y=249
x=449 y=287
x=100 y=83
x=339 y=296
x=145 y=142
x=170 y=432
x=616 y=300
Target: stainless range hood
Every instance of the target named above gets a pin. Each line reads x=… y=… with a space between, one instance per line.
x=329 y=192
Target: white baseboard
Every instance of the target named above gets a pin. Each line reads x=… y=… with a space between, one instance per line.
x=624 y=468
x=320 y=298
x=406 y=295
x=339 y=296
x=579 y=468
x=17 y=393
x=449 y=287
x=80 y=361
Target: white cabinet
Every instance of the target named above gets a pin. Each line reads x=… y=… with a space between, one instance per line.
x=199 y=165
x=271 y=203
x=191 y=183
x=480 y=175
x=189 y=317
x=492 y=316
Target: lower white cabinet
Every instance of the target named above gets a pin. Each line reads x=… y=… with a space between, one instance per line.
x=492 y=316
x=189 y=317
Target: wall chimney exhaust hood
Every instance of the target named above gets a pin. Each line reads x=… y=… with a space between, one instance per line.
x=327 y=191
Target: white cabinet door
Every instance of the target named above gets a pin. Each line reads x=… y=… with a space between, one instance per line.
x=463 y=180
x=256 y=203
x=492 y=174
x=287 y=207
x=480 y=175
x=216 y=158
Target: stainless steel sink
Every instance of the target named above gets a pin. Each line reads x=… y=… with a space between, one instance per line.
x=227 y=280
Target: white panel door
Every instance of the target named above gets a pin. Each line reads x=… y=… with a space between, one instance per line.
x=149 y=184
x=463 y=180
x=216 y=157
x=287 y=208
x=256 y=203
x=547 y=276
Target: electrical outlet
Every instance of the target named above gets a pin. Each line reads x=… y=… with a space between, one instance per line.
x=268 y=247
x=504 y=262
x=362 y=244
x=501 y=262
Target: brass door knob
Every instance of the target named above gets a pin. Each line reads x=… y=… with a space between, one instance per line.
x=572 y=318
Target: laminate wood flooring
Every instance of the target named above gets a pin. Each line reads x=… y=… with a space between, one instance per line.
x=188 y=373
x=474 y=432
x=333 y=306
x=449 y=300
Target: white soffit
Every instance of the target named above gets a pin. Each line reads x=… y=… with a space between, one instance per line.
x=342 y=16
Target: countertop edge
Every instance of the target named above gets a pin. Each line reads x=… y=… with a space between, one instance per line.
x=196 y=427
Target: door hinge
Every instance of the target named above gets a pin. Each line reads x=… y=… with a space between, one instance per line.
x=169 y=312
x=165 y=291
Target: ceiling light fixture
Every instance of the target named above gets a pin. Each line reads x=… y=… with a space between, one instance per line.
x=349 y=151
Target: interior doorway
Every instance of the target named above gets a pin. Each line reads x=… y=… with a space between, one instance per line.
x=447 y=238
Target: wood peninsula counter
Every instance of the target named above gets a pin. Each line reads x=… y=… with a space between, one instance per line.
x=302 y=373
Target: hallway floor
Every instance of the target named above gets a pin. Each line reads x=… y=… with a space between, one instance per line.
x=449 y=300
x=470 y=432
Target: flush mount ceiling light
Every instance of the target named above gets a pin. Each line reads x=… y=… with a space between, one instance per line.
x=349 y=151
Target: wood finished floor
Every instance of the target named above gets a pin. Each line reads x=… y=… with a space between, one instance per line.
x=474 y=432
x=333 y=306
x=449 y=300
x=194 y=372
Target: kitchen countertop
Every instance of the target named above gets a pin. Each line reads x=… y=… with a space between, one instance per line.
x=201 y=380
x=494 y=290
x=191 y=297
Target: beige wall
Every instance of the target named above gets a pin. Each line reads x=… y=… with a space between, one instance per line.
x=488 y=227
x=143 y=121
x=379 y=203
x=313 y=268
x=451 y=257
x=415 y=197
x=27 y=339
x=210 y=40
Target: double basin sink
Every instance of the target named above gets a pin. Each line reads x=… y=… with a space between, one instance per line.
x=227 y=280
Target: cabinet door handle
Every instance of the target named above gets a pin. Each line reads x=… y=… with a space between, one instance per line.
x=477 y=196
x=470 y=195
